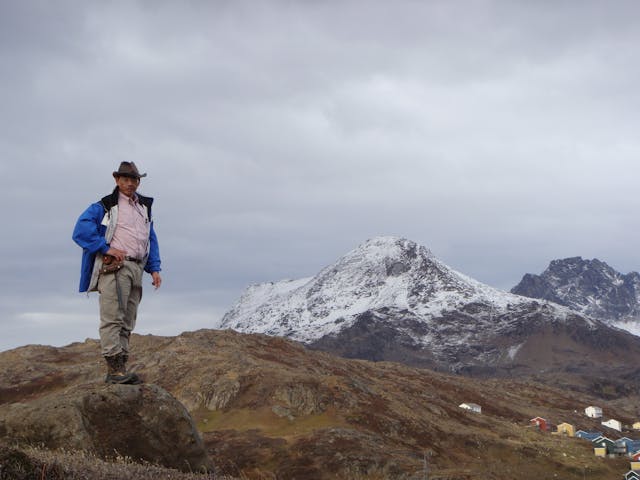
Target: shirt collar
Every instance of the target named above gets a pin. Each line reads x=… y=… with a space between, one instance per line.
x=122 y=197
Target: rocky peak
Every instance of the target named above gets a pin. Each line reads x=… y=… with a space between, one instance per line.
x=588 y=286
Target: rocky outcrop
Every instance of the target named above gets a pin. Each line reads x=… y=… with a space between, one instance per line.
x=590 y=287
x=142 y=422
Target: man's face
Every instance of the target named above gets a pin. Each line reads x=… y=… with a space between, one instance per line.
x=127 y=185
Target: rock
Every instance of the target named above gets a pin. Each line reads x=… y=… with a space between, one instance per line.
x=142 y=422
x=590 y=287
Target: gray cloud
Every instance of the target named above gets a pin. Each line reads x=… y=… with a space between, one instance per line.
x=279 y=135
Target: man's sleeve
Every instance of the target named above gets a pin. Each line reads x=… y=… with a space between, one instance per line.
x=153 y=262
x=87 y=230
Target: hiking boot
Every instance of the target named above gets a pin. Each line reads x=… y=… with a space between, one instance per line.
x=136 y=380
x=117 y=373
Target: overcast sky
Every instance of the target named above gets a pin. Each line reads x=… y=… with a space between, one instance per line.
x=279 y=135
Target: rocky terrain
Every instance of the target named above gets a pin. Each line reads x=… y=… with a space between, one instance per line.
x=143 y=422
x=392 y=299
x=267 y=407
x=590 y=287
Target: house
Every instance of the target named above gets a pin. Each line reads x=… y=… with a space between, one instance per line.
x=604 y=442
x=588 y=435
x=621 y=446
x=593 y=412
x=633 y=446
x=566 y=429
x=539 y=422
x=635 y=456
x=636 y=426
x=475 y=408
x=630 y=446
x=632 y=475
x=615 y=424
x=635 y=466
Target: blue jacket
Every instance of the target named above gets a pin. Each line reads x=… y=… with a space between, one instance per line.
x=94 y=230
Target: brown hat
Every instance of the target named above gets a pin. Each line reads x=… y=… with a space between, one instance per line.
x=128 y=169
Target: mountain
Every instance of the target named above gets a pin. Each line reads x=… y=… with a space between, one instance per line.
x=267 y=407
x=392 y=299
x=590 y=287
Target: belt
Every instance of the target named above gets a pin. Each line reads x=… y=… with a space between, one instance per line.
x=132 y=259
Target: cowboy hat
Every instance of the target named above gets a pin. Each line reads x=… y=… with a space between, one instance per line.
x=128 y=169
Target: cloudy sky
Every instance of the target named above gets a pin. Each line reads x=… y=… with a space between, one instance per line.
x=278 y=135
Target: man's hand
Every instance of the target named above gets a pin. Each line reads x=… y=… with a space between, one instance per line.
x=118 y=254
x=157 y=279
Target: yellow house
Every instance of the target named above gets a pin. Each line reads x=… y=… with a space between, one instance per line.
x=635 y=465
x=636 y=426
x=567 y=429
x=600 y=451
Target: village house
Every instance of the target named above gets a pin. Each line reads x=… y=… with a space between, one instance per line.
x=473 y=407
x=633 y=446
x=593 y=412
x=566 y=429
x=636 y=426
x=603 y=443
x=621 y=446
x=635 y=456
x=635 y=466
x=588 y=435
x=632 y=475
x=615 y=424
x=540 y=422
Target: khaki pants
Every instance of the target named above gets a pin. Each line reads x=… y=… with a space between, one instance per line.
x=118 y=317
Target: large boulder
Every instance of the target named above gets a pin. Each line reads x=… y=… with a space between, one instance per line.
x=142 y=422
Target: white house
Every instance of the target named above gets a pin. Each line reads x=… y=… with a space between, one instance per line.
x=593 y=412
x=615 y=424
x=474 y=407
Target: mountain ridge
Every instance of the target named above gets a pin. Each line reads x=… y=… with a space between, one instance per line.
x=589 y=287
x=392 y=299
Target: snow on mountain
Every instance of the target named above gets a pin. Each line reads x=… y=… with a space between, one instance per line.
x=388 y=273
x=391 y=299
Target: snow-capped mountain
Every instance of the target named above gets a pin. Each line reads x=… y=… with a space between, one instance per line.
x=391 y=299
x=590 y=287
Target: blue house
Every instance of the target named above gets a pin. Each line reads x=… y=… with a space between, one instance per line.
x=621 y=447
x=633 y=446
x=588 y=435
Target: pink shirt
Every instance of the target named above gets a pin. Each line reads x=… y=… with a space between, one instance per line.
x=132 y=233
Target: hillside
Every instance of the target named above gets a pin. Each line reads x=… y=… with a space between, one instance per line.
x=267 y=406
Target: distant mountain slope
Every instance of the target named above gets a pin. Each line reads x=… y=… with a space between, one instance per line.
x=590 y=287
x=391 y=299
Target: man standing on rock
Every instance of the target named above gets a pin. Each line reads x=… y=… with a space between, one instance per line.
x=118 y=243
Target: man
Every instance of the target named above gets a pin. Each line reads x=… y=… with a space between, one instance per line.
x=118 y=243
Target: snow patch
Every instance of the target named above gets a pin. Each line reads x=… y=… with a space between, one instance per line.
x=513 y=351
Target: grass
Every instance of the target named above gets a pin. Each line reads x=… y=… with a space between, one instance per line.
x=34 y=463
x=266 y=421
